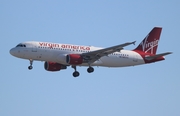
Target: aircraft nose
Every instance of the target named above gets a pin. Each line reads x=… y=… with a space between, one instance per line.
x=12 y=51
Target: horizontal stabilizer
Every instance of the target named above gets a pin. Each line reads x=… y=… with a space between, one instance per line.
x=157 y=56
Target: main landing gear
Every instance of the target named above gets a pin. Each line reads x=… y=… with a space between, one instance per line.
x=31 y=62
x=90 y=69
x=76 y=73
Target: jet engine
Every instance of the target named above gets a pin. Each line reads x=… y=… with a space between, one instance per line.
x=53 y=66
x=74 y=59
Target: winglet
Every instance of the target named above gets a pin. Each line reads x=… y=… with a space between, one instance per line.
x=134 y=42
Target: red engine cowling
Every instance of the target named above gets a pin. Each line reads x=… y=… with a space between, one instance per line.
x=74 y=59
x=53 y=66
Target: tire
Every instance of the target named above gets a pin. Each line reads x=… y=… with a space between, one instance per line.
x=90 y=70
x=30 y=67
x=76 y=74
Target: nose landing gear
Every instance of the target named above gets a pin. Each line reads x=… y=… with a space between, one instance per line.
x=31 y=62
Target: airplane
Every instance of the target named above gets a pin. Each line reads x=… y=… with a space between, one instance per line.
x=59 y=56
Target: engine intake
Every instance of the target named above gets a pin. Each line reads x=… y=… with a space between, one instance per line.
x=53 y=66
x=74 y=59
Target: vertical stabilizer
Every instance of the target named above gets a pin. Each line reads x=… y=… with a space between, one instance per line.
x=150 y=42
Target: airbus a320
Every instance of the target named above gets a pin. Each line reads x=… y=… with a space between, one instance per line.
x=59 y=56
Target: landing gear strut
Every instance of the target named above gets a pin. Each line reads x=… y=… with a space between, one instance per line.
x=75 y=73
x=31 y=62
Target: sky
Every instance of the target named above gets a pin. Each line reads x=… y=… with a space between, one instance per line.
x=146 y=90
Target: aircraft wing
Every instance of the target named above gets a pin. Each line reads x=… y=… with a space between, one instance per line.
x=95 y=55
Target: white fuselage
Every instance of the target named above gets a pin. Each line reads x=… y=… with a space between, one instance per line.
x=46 y=51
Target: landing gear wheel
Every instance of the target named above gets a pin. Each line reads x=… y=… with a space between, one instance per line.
x=76 y=74
x=30 y=67
x=90 y=70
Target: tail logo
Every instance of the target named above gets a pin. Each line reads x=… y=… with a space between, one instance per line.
x=147 y=46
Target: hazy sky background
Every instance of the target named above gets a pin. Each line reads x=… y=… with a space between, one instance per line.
x=147 y=90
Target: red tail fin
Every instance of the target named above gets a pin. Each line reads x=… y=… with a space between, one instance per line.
x=150 y=42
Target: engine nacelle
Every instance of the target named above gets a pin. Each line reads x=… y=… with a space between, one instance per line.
x=74 y=59
x=53 y=66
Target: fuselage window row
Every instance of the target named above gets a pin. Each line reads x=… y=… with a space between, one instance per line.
x=62 y=49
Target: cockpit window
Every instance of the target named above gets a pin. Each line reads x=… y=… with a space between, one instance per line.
x=21 y=45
